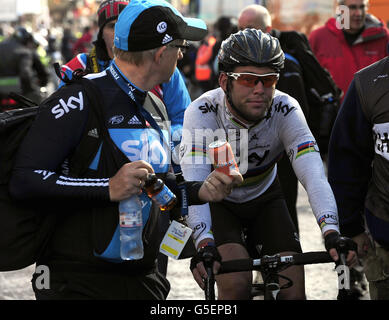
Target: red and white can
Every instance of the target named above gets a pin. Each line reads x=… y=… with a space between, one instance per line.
x=222 y=157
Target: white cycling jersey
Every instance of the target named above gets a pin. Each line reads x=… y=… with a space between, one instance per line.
x=257 y=150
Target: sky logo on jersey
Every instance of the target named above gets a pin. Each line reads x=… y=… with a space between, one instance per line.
x=44 y=173
x=306 y=147
x=144 y=144
x=64 y=107
x=283 y=108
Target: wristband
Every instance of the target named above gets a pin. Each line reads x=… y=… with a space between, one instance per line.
x=206 y=244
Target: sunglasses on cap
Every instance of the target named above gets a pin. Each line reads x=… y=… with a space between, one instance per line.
x=250 y=80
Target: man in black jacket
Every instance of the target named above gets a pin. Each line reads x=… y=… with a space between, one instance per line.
x=358 y=171
x=83 y=254
x=173 y=94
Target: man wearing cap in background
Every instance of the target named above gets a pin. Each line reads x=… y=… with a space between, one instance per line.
x=82 y=253
x=173 y=93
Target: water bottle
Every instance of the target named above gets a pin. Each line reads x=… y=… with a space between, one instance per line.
x=159 y=192
x=131 y=225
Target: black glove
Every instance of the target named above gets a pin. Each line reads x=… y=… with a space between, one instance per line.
x=208 y=255
x=341 y=244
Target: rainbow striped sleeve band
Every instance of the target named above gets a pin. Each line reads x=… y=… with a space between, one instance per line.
x=305 y=148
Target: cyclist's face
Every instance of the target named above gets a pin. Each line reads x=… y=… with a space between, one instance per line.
x=251 y=99
x=357 y=10
x=108 y=36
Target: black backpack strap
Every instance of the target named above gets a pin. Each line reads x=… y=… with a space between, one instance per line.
x=95 y=134
x=23 y=101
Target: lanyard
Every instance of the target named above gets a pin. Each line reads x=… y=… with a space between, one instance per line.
x=132 y=91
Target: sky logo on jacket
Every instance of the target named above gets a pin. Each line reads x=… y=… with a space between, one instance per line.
x=143 y=144
x=65 y=107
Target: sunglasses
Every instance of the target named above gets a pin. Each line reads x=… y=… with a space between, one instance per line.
x=183 y=47
x=250 y=80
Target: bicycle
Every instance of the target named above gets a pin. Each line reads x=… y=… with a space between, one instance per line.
x=269 y=266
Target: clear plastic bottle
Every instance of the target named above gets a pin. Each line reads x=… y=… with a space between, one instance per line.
x=159 y=192
x=131 y=226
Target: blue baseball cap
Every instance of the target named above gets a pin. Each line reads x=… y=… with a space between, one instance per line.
x=149 y=24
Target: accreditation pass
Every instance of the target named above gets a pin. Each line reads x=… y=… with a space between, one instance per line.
x=175 y=239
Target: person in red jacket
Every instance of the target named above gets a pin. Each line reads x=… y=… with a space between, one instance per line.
x=83 y=44
x=350 y=42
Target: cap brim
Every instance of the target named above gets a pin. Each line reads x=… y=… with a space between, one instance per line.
x=196 y=29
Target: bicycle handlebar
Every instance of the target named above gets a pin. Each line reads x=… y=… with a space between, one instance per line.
x=209 y=285
x=274 y=262
x=237 y=266
x=256 y=264
x=314 y=257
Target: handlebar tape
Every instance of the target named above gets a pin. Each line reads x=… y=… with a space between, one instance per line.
x=236 y=266
x=311 y=258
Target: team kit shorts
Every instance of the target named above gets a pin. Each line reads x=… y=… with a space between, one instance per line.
x=263 y=221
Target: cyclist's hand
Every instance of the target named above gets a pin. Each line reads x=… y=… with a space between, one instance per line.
x=129 y=180
x=218 y=185
x=207 y=256
x=336 y=244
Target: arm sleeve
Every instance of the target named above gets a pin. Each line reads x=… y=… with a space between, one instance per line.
x=195 y=166
x=304 y=155
x=41 y=158
x=351 y=152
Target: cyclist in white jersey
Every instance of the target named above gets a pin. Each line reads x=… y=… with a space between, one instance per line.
x=260 y=122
